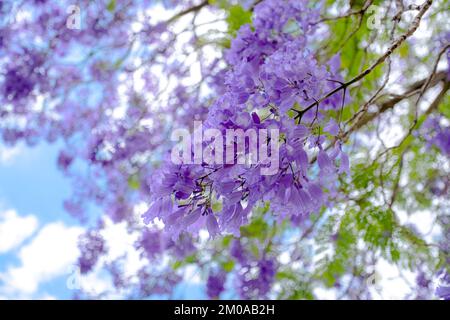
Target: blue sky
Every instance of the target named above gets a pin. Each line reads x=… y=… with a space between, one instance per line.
x=32 y=186
x=31 y=183
x=38 y=239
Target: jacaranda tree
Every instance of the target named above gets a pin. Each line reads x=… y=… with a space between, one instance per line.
x=347 y=99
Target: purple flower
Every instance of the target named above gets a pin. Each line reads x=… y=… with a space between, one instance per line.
x=152 y=241
x=251 y=287
x=21 y=78
x=443 y=291
x=215 y=284
x=332 y=127
x=237 y=251
x=92 y=246
x=64 y=160
x=443 y=288
x=437 y=133
x=211 y=224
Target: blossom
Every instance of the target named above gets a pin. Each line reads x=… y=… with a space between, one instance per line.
x=215 y=284
x=443 y=289
x=437 y=134
x=92 y=246
x=259 y=286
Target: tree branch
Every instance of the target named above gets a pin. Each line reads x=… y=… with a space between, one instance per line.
x=414 y=26
x=187 y=11
x=389 y=104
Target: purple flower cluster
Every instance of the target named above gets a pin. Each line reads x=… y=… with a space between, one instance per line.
x=271 y=73
x=443 y=289
x=255 y=281
x=154 y=243
x=256 y=273
x=22 y=78
x=113 y=91
x=437 y=134
x=92 y=246
x=215 y=284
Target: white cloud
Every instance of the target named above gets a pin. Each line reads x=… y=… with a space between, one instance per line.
x=118 y=238
x=120 y=243
x=388 y=283
x=8 y=154
x=96 y=282
x=325 y=293
x=192 y=275
x=15 y=229
x=47 y=257
x=53 y=252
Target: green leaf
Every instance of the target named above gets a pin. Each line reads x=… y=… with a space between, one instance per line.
x=217 y=206
x=176 y=265
x=191 y=259
x=133 y=182
x=258 y=228
x=228 y=266
x=404 y=50
x=237 y=17
x=444 y=107
x=226 y=241
x=285 y=275
x=111 y=6
x=223 y=4
x=357 y=4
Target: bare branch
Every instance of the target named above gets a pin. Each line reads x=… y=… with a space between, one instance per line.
x=397 y=43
